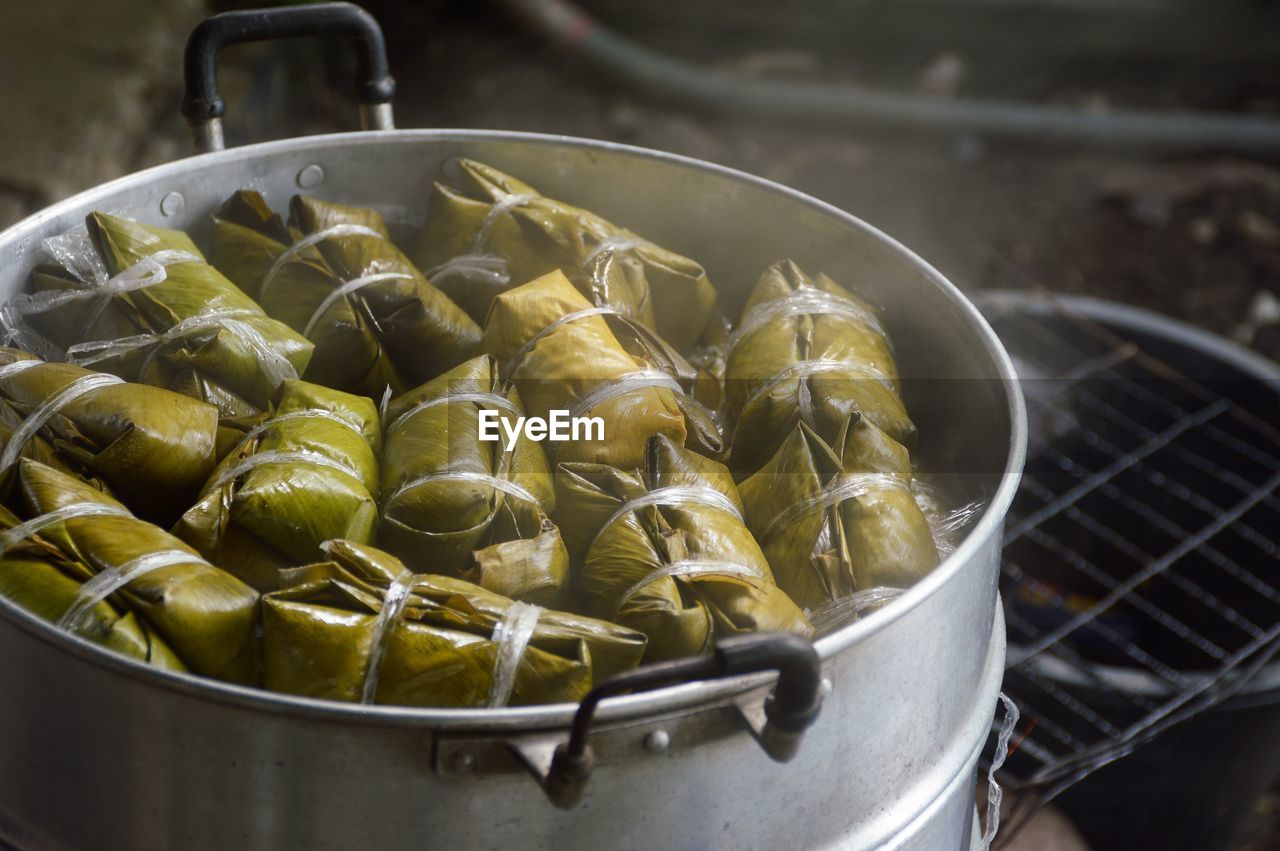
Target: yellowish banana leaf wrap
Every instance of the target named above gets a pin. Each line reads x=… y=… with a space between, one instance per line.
x=45 y=581
x=206 y=615
x=664 y=550
x=165 y=317
x=838 y=518
x=306 y=474
x=335 y=275
x=806 y=346
x=364 y=628
x=151 y=447
x=497 y=232
x=562 y=354
x=463 y=506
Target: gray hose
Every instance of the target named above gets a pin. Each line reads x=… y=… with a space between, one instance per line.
x=653 y=74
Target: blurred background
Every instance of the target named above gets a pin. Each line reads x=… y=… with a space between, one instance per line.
x=1186 y=223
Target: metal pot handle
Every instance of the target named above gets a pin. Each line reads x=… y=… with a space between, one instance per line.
x=793 y=707
x=203 y=107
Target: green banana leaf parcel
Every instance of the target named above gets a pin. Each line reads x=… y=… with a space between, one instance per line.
x=151 y=447
x=664 y=550
x=838 y=518
x=167 y=318
x=333 y=274
x=498 y=232
x=563 y=354
x=467 y=507
x=304 y=475
x=364 y=628
x=806 y=346
x=207 y=616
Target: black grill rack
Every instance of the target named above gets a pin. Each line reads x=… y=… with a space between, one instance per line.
x=1141 y=576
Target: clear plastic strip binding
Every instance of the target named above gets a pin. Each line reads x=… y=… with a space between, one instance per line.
x=109 y=581
x=521 y=353
x=46 y=410
x=280 y=457
x=308 y=414
x=624 y=384
x=307 y=242
x=505 y=485
x=511 y=635
x=346 y=289
x=687 y=569
x=275 y=365
x=804 y=302
x=841 y=489
x=477 y=266
x=393 y=603
x=11 y=538
x=808 y=368
x=672 y=496
x=9 y=370
x=844 y=609
x=492 y=399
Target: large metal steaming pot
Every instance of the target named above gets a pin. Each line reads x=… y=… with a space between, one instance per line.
x=97 y=751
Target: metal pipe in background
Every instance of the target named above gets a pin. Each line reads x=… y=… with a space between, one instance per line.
x=662 y=77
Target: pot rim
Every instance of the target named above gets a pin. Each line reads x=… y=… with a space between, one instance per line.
x=680 y=697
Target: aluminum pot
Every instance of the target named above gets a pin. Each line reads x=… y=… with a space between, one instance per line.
x=102 y=752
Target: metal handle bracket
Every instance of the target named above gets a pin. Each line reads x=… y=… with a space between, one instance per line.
x=203 y=107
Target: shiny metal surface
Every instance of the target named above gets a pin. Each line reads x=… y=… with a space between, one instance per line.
x=101 y=752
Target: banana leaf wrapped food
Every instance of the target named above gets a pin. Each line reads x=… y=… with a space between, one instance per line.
x=663 y=549
x=45 y=581
x=563 y=354
x=497 y=232
x=333 y=274
x=163 y=317
x=204 y=614
x=150 y=447
x=806 y=346
x=839 y=518
x=364 y=628
x=464 y=506
x=303 y=475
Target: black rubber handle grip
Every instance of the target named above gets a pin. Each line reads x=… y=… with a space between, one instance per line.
x=201 y=101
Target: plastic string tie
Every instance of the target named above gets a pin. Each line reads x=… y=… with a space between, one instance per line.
x=12 y=537
x=674 y=496
x=46 y=409
x=73 y=250
x=839 y=490
x=18 y=333
x=275 y=365
x=995 y=795
x=807 y=368
x=688 y=569
x=505 y=485
x=511 y=635
x=9 y=370
x=492 y=399
x=393 y=603
x=251 y=463
x=847 y=609
x=308 y=414
x=803 y=302
x=111 y=580
x=346 y=289
x=307 y=242
x=476 y=265
x=624 y=384
x=521 y=353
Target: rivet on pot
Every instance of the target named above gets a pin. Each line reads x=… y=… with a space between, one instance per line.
x=825 y=688
x=462 y=762
x=310 y=177
x=657 y=741
x=172 y=204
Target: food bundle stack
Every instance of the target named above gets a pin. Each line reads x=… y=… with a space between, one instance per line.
x=332 y=438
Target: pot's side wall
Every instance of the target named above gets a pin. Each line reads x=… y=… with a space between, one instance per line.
x=93 y=758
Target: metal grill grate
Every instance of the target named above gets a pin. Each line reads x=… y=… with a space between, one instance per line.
x=1141 y=581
